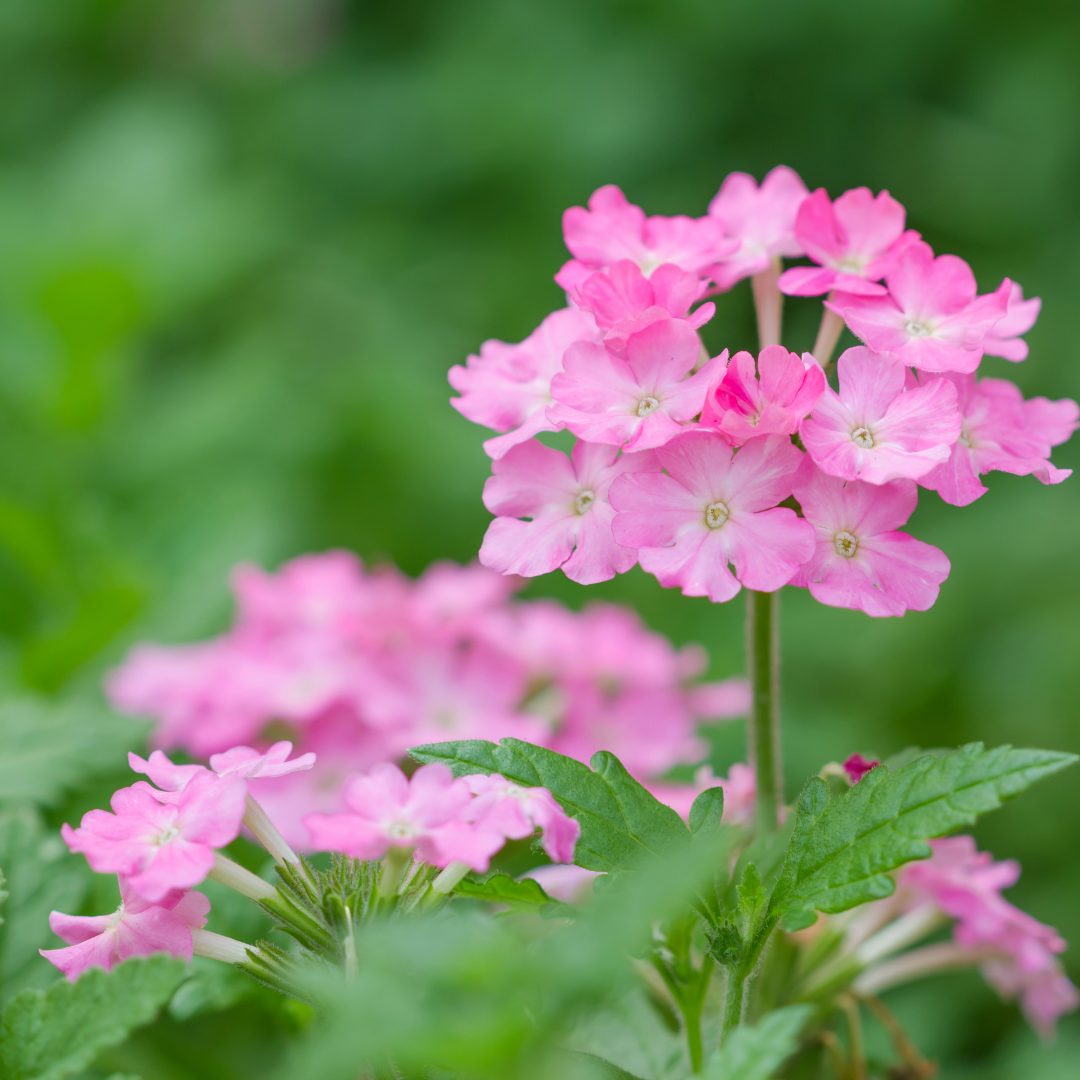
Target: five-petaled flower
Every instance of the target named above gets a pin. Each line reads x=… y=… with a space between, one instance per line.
x=516 y=812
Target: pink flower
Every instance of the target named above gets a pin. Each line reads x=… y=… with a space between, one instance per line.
x=724 y=700
x=624 y=301
x=744 y=404
x=517 y=812
x=931 y=318
x=170 y=778
x=1003 y=338
x=860 y=560
x=567 y=502
x=389 y=810
x=874 y=430
x=639 y=402
x=508 y=387
x=740 y=793
x=613 y=229
x=854 y=241
x=564 y=881
x=251 y=764
x=714 y=507
x=857 y=767
x=1003 y=432
x=761 y=219
x=161 y=846
x=136 y=928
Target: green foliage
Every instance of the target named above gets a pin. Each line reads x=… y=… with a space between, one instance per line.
x=524 y=895
x=46 y=1035
x=842 y=851
x=622 y=824
x=755 y=1053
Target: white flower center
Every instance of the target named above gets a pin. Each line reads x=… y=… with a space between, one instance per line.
x=167 y=836
x=851 y=265
x=716 y=514
x=862 y=438
x=647 y=405
x=117 y=915
x=915 y=328
x=965 y=437
x=401 y=830
x=845 y=544
x=584 y=501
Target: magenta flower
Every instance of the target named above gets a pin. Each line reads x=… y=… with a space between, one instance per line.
x=136 y=928
x=422 y=813
x=613 y=229
x=567 y=502
x=623 y=300
x=761 y=219
x=640 y=402
x=517 y=812
x=857 y=767
x=740 y=793
x=249 y=764
x=1003 y=338
x=161 y=846
x=508 y=387
x=860 y=560
x=931 y=318
x=855 y=241
x=744 y=404
x=1001 y=432
x=713 y=507
x=170 y=778
x=874 y=429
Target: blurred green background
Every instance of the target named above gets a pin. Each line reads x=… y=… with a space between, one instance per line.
x=241 y=242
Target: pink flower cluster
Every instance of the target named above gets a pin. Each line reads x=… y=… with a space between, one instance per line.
x=360 y=665
x=690 y=465
x=1018 y=953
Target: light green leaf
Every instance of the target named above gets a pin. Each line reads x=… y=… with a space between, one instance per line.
x=755 y=1053
x=842 y=851
x=622 y=824
x=46 y=1035
x=523 y=895
x=707 y=810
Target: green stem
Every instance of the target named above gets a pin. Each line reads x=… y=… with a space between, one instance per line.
x=763 y=731
x=733 y=1001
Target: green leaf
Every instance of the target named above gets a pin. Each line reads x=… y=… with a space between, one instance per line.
x=622 y=824
x=842 y=851
x=755 y=1053
x=46 y=1035
x=497 y=888
x=707 y=810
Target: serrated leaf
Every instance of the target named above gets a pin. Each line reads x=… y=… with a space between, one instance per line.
x=707 y=810
x=622 y=824
x=46 y=1035
x=755 y=1053
x=526 y=894
x=842 y=851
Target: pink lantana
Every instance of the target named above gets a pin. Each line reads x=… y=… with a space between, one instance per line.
x=857 y=767
x=855 y=242
x=1001 y=432
x=508 y=387
x=874 y=429
x=860 y=561
x=136 y=928
x=713 y=507
x=567 y=502
x=932 y=318
x=761 y=219
x=740 y=793
x=251 y=764
x=422 y=813
x=613 y=229
x=623 y=300
x=516 y=812
x=772 y=401
x=1003 y=338
x=161 y=846
x=966 y=884
x=639 y=402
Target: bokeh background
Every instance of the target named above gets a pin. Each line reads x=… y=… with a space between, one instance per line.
x=241 y=242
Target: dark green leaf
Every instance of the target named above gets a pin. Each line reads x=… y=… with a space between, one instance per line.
x=707 y=810
x=525 y=894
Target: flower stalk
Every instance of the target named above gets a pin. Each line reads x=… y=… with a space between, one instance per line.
x=233 y=876
x=763 y=731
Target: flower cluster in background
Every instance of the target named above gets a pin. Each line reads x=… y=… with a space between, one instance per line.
x=688 y=464
x=357 y=666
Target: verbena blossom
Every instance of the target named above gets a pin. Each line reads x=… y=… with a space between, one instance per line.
x=566 y=501
x=137 y=928
x=251 y=764
x=1003 y=338
x=761 y=218
x=861 y=561
x=932 y=318
x=874 y=429
x=508 y=387
x=1003 y=432
x=713 y=507
x=856 y=767
x=421 y=813
x=160 y=847
x=516 y=812
x=639 y=402
x=772 y=400
x=855 y=241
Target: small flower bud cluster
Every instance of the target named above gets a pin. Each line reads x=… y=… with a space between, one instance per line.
x=682 y=461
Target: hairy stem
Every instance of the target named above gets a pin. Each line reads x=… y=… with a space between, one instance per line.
x=763 y=732
x=733 y=1001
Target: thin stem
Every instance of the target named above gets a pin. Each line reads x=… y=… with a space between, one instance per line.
x=218 y=947
x=928 y=960
x=827 y=336
x=264 y=830
x=448 y=880
x=920 y=1067
x=769 y=303
x=855 y=1037
x=692 y=1018
x=394 y=864
x=763 y=732
x=351 y=966
x=733 y=1001
x=234 y=876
